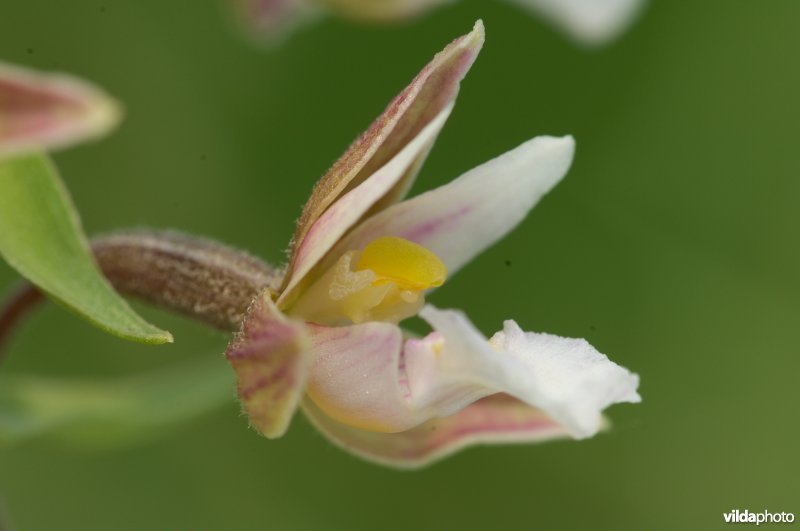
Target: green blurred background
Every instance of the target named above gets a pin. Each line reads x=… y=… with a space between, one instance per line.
x=672 y=246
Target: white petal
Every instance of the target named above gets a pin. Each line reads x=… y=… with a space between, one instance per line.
x=588 y=21
x=566 y=378
x=462 y=218
x=348 y=209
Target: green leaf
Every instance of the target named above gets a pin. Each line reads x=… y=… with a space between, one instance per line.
x=41 y=237
x=114 y=411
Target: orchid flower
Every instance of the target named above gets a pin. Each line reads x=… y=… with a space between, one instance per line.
x=50 y=110
x=591 y=22
x=329 y=340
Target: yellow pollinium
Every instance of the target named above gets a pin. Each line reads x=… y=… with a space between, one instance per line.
x=409 y=265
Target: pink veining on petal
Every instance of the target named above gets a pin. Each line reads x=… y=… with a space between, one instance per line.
x=358 y=376
x=282 y=376
x=498 y=419
x=483 y=421
x=448 y=221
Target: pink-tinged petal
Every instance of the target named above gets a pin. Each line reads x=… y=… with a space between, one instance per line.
x=357 y=376
x=365 y=376
x=459 y=220
x=50 y=110
x=497 y=419
x=433 y=90
x=272 y=20
x=353 y=205
x=381 y=10
x=591 y=22
x=271 y=359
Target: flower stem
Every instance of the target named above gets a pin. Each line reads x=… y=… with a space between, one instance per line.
x=21 y=301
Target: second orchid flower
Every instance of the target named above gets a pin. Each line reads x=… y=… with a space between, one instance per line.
x=590 y=22
x=362 y=260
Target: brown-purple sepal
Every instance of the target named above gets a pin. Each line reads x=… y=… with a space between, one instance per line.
x=270 y=356
x=434 y=88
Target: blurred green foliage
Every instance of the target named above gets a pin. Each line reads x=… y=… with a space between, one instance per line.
x=671 y=246
x=42 y=238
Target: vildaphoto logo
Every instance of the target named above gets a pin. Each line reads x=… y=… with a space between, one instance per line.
x=765 y=517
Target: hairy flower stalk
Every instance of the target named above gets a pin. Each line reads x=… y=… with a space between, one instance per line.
x=195 y=277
